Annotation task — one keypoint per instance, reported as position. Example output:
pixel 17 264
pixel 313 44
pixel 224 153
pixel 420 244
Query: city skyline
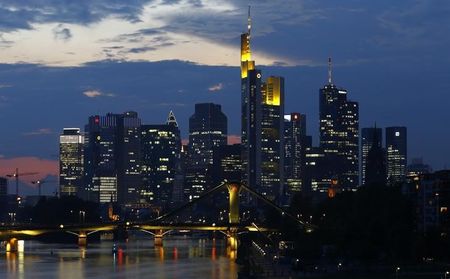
pixel 33 139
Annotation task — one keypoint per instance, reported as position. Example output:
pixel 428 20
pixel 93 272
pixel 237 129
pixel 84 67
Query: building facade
pixel 208 129
pixel 161 147
pixel 368 138
pixel 294 152
pixel 71 161
pixel 339 133
pixel 112 158
pixel 396 153
pixel 272 138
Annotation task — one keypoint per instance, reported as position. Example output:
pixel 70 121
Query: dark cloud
pixel 62 33
pixel 20 14
pixel 141 49
pixel 149 34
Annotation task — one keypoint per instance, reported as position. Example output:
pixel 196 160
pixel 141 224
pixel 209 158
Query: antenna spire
pixel 249 21
pixel 329 71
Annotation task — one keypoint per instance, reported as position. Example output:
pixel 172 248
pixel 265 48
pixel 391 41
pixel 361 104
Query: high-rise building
pixel 295 144
pixel 71 161
pixel 207 130
pixel 272 138
pixel 368 135
pixel 251 114
pixel 262 132
pixel 375 163
pixel 396 153
pixel 339 133
pixel 100 158
pixel 3 187
pixel 227 164
pixel 128 165
pixel 112 158
pixel 161 147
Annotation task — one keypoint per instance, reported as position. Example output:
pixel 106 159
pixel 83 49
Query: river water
pixel 180 257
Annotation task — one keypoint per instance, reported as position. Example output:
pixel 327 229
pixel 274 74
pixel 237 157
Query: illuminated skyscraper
pixel 272 138
pixel 71 161
pixel 367 140
pixel 396 153
pixel 101 154
pixel 339 133
pixel 262 132
pixel 112 158
pixel 251 100
pixel 128 165
pixel 161 147
pixel 207 130
pixel 295 143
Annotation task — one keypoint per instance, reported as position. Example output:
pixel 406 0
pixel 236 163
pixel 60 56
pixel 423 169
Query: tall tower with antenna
pixel 339 134
pixel 251 100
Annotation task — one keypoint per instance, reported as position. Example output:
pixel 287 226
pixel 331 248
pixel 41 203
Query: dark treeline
pixel 375 225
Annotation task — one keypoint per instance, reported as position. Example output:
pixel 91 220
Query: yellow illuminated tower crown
pixel 246 55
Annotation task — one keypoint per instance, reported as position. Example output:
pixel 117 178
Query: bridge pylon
pixel 82 239
pixel 12 245
pixel 233 193
pixel 159 238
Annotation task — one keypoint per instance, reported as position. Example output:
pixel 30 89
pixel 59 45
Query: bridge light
pixel 61 226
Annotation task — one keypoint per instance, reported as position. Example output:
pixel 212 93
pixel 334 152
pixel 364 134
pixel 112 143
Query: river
pixel 180 257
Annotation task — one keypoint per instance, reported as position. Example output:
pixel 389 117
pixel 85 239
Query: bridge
pixel 158 227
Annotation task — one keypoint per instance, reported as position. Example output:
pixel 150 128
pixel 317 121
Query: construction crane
pixel 16 175
pixel 40 182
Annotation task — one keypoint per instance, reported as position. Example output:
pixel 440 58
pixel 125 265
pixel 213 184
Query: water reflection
pixel 180 257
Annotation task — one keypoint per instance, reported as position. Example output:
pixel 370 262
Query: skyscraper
pixel 339 133
pixel 396 153
pixel 367 140
pixel 71 161
pixel 101 158
pixel 294 151
pixel 272 138
pixel 262 132
pixel 251 100
pixel 375 162
pixel 207 130
pixel 112 158
pixel 128 165
pixel 161 147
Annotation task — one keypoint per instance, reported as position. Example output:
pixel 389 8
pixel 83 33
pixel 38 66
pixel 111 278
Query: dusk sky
pixel 63 60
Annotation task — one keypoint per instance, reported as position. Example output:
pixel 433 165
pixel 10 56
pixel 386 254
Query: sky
pixel 62 61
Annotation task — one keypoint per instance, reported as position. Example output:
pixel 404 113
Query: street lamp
pixel 82 216
pixel 396 271
pixel 446 274
pixel 12 216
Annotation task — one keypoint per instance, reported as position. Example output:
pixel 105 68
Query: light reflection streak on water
pixel 178 258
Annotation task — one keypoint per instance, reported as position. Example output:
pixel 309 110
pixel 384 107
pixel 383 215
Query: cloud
pixel 215 87
pixel 5 86
pixel 42 167
pixel 4 43
pixel 96 93
pixel 62 33
pixel 39 132
pixel 141 49
pixel 22 14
